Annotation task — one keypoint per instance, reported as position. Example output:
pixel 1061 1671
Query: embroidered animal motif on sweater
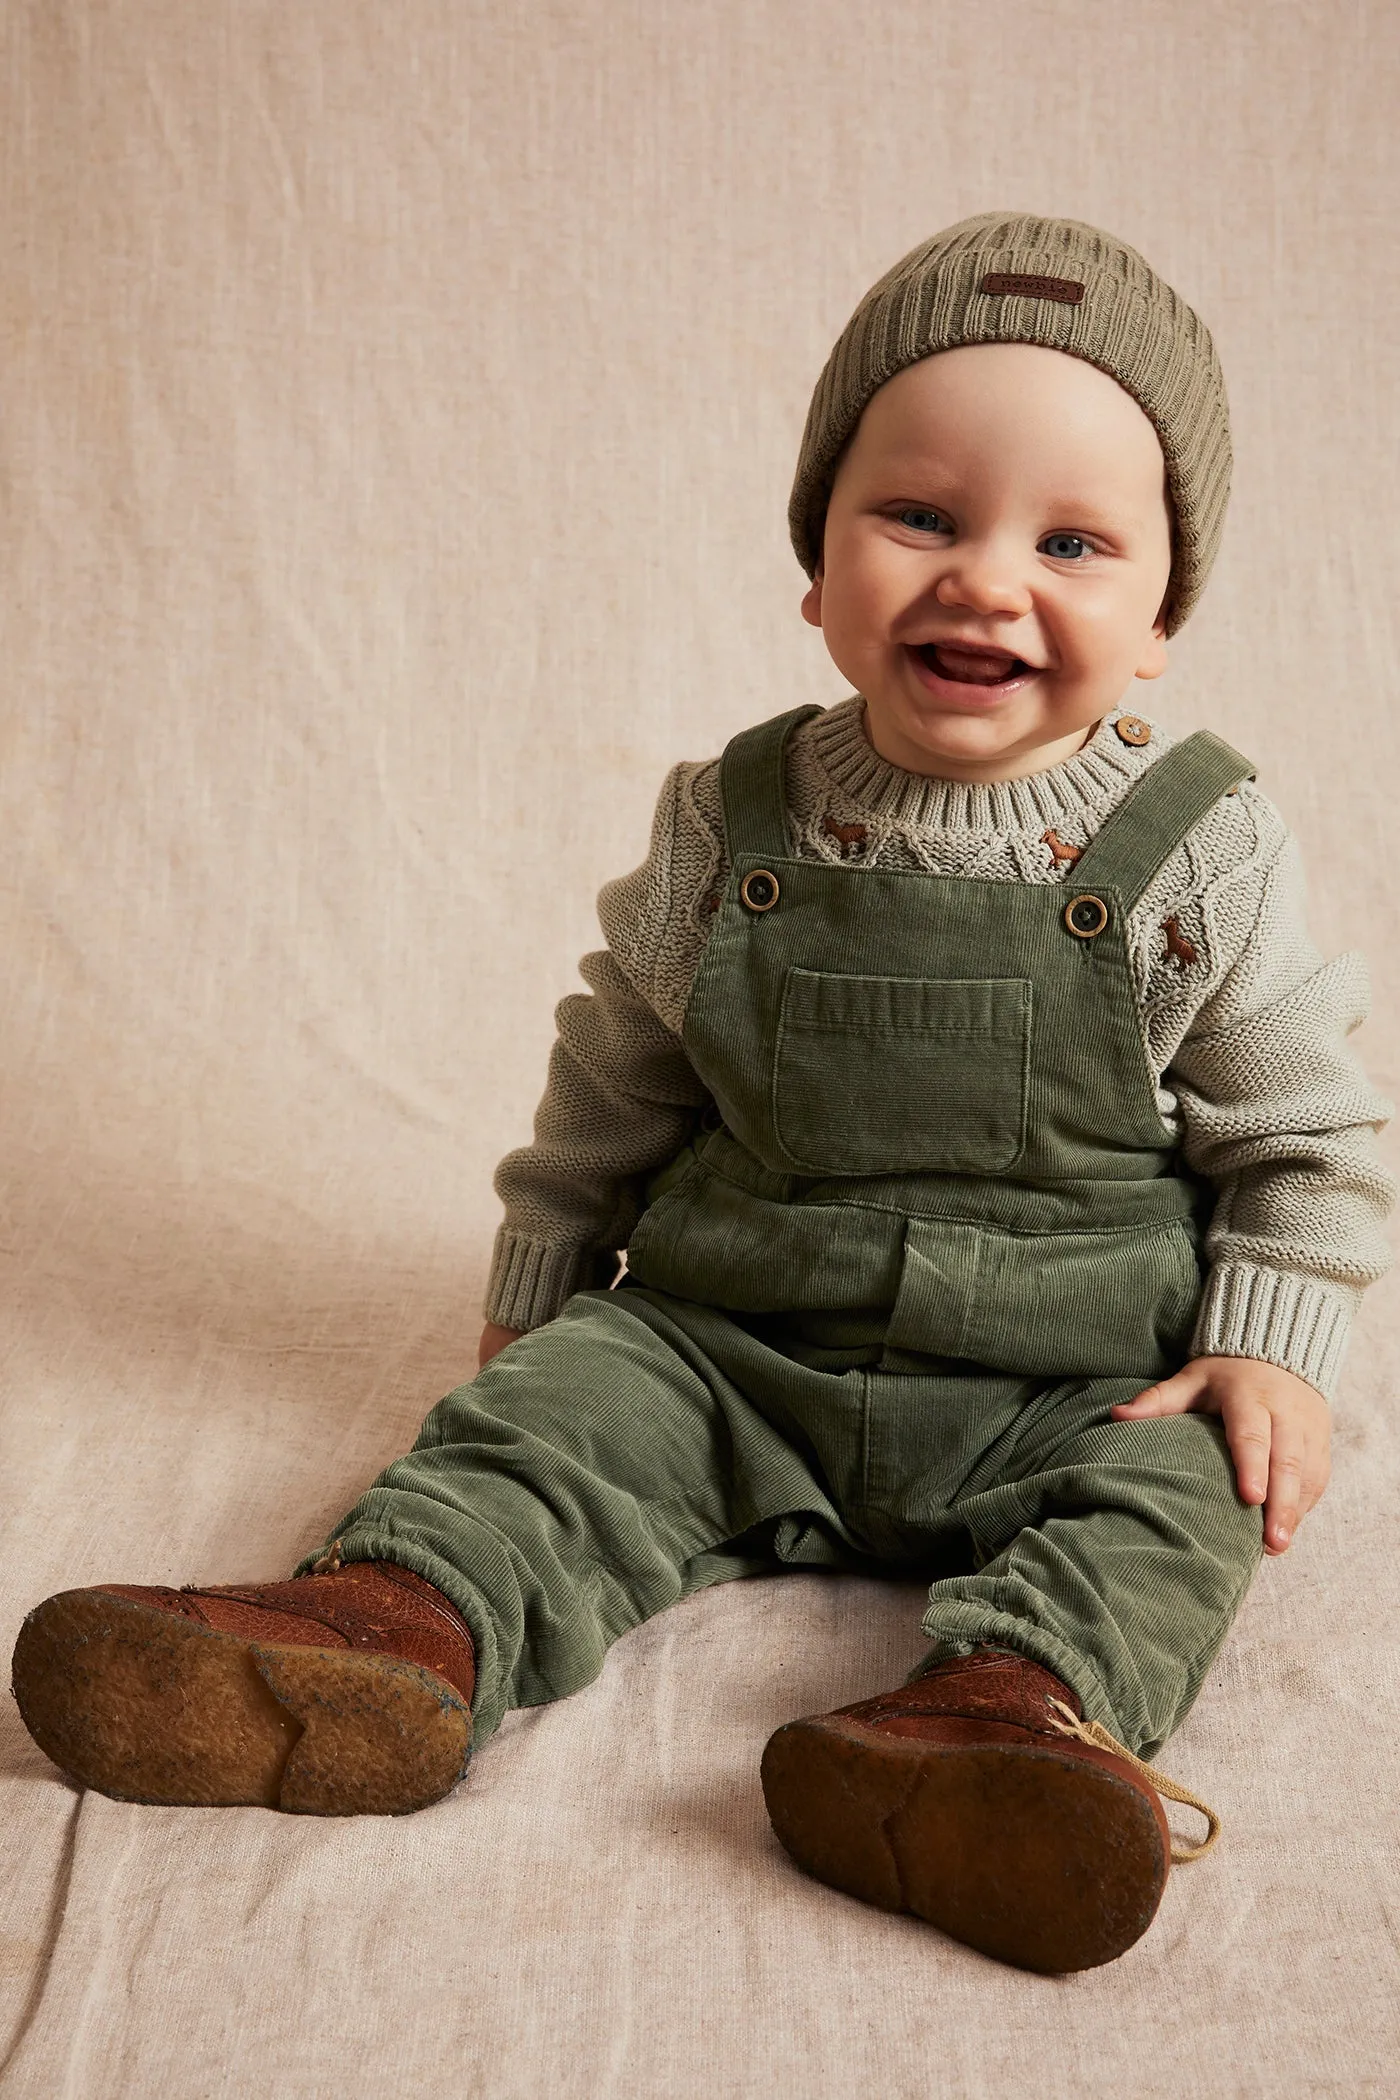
pixel 1061 851
pixel 1181 951
pixel 850 837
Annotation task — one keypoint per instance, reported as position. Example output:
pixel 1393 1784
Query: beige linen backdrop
pixel 399 404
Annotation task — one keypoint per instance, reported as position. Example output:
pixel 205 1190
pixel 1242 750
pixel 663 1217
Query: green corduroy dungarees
pixel 878 1309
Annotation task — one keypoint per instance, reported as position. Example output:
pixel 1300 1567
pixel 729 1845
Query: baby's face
pixel 996 554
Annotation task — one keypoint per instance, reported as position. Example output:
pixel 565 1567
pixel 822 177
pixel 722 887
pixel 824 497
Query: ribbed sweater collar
pixel 1090 783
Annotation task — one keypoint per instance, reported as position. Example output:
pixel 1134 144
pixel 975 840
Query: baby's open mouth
pixel 972 666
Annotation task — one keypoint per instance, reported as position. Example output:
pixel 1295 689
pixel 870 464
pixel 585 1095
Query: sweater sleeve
pixel 622 1096
pixel 1277 1113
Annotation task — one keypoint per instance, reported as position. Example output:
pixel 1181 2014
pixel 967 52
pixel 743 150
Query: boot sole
pixel 147 1707
pixel 1034 1857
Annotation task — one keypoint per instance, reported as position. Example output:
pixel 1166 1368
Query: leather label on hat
pixel 1068 290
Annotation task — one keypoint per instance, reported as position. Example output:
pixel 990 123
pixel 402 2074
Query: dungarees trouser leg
pixel 878 1311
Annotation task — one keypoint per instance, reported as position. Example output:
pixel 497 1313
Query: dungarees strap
pixel 1156 814
pixel 752 786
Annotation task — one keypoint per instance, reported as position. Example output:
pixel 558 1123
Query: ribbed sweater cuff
pixel 1283 1319
pixel 530 1279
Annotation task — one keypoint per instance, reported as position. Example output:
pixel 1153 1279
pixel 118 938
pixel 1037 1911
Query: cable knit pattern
pixel 1243 1028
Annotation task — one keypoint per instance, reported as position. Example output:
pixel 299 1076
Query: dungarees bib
pixel 878 1313
pixel 938 1119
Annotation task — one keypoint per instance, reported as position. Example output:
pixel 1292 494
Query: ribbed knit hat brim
pixel 1095 298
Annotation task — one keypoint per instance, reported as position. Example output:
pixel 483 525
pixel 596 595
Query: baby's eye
pixel 919 520
pixel 1065 546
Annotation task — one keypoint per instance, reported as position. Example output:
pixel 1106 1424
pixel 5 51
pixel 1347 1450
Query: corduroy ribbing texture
pixel 1124 319
pixel 641 1447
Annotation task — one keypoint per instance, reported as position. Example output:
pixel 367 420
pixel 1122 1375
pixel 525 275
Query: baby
pixel 995 1183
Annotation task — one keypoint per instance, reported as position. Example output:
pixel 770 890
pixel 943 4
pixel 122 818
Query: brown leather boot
pixel 336 1694
pixel 958 1798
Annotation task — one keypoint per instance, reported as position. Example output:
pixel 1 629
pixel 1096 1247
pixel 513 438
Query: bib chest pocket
pixel 900 1075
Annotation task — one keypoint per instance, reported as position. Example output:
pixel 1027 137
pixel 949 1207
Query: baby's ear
pixel 1154 656
pixel 812 601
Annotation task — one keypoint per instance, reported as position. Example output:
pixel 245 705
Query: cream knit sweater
pixel 1243 1028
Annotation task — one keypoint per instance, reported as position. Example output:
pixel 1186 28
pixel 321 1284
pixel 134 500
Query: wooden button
pixel 1133 730
pixel 1086 916
pixel 759 889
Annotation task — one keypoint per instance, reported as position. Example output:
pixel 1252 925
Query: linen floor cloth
pixel 398 412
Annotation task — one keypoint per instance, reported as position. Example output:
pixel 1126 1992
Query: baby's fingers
pixel 1174 1396
pixel 1249 1431
pixel 1285 1488
pixel 1299 1469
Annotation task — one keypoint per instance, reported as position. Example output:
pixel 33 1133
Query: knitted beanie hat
pixel 1006 277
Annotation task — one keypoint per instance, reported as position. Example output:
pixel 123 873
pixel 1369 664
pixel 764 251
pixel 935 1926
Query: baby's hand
pixel 1277 1426
pixel 493 1340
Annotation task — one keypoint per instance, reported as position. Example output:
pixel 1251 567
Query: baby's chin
pixel 1004 733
